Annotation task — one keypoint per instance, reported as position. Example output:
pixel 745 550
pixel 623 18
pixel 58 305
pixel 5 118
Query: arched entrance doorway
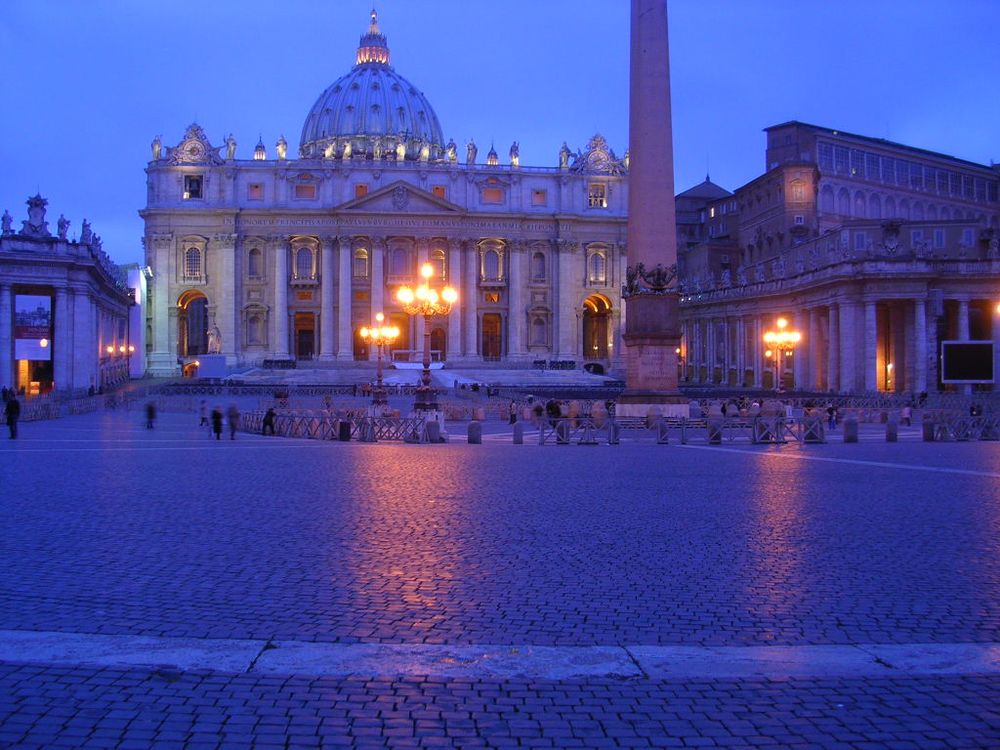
pixel 192 324
pixel 360 346
pixel 492 342
pixel 596 319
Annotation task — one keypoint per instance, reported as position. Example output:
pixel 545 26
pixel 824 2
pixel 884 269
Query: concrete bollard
pixel 662 432
pixel 614 437
pixel 851 429
pixel 518 433
pixel 432 431
pixel 475 433
pixel 928 430
pixel 892 431
pixel 715 430
pixel 562 432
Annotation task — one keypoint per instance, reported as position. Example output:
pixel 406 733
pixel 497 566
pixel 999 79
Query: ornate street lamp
pixel 381 336
pixel 781 342
pixel 427 302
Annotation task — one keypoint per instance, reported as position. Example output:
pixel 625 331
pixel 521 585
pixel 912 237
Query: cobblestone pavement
pixel 111 528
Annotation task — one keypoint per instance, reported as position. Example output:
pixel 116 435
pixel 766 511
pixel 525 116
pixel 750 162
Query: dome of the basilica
pixel 372 111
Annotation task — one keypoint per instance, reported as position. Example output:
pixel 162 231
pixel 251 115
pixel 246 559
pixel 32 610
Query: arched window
pixel 491 265
pixel 437 262
pixel 361 263
pixel 192 262
pixel 890 208
pixel 932 212
pixel 255 329
pixel 945 214
pixel 859 205
pixel 539 332
pixel 538 267
pixel 826 199
pixel 598 273
pixel 844 202
pixel 254 263
pixel 798 191
pixel 303 263
pixel 874 207
pixel 400 262
pixel 918 211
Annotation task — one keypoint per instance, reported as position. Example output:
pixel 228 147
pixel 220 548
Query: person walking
pixel 513 412
pixel 268 425
pixel 203 412
pixel 150 414
pixel 217 422
pixel 12 412
pixel 233 416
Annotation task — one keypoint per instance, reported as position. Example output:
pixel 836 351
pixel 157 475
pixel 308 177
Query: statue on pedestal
pixel 515 154
pixel 86 235
pixel 470 152
pixel 452 150
pixel 230 147
pixel 564 156
pixel 377 148
pixel 282 148
pixel 157 148
pixel 401 148
pixel 63 225
pixel 5 222
pixel 214 340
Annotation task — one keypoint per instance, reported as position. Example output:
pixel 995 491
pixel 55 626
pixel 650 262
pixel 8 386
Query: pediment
pixel 400 197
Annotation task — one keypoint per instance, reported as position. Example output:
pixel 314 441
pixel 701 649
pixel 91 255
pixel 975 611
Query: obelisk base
pixel 651 340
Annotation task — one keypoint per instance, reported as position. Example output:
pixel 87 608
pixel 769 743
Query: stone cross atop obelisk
pixel 652 329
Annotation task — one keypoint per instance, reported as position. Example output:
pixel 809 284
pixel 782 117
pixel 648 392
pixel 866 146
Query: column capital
pixel 455 245
pixel 379 243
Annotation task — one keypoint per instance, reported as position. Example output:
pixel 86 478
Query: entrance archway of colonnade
pixel 192 324
pixel 596 326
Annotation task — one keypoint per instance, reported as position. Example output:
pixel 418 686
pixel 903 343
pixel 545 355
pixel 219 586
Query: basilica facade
pixel 282 257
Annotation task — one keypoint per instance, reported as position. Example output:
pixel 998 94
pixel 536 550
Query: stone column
pixel 345 339
pixel 920 345
pixel 995 335
pixel 871 347
pixel 326 279
pixel 62 343
pixel 566 338
pixel 423 250
pixel 280 345
pixel 378 277
pixel 710 350
pixel 163 359
pixel 6 337
pixel 813 368
pixel 516 316
pixel 758 369
pixel 963 334
pixel 849 338
pixel 833 349
pixel 741 343
pixel 800 358
pixel 226 302
pixel 454 279
pixel 652 330
pixel 471 306
pixel 86 351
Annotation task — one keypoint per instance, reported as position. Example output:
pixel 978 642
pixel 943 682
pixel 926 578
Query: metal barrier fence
pixel 773 430
pixel 962 428
pixel 327 426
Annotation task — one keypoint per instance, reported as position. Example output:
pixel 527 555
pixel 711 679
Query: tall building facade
pixel 874 251
pixel 288 258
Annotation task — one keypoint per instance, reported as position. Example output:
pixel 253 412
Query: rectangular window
pixel 942 182
pixel 902 170
pixel 597 195
pixel 928 178
pixel 967 187
pixel 888 170
pixel 491 297
pixel 539 197
pixel 840 157
pixel 360 190
pixel 916 237
pixel 711 212
pixel 991 192
pixel 492 195
pixel 305 192
pixel 799 219
pixel 857 163
pixel 860 240
pixel 439 191
pixel 255 191
pixel 192 186
pixel 871 166
pixel 955 183
pixel 968 237
pixel 980 190
pixel 825 159
pixel 939 239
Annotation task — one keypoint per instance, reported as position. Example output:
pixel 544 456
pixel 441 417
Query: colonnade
pixel 848 346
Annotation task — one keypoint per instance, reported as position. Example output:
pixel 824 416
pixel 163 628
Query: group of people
pixel 215 419
pixel 11 410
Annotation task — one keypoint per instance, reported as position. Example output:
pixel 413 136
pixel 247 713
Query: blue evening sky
pixel 86 84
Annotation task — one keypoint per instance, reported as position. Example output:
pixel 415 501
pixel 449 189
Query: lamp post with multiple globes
pixel 381 336
pixel 426 302
pixel 780 342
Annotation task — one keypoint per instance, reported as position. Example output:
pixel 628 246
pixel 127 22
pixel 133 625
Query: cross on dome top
pixel 374 47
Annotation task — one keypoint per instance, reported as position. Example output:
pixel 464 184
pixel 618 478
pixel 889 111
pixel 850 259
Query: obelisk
pixel 652 327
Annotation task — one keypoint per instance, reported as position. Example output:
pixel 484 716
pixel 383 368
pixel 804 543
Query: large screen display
pixel 32 327
pixel 966 361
